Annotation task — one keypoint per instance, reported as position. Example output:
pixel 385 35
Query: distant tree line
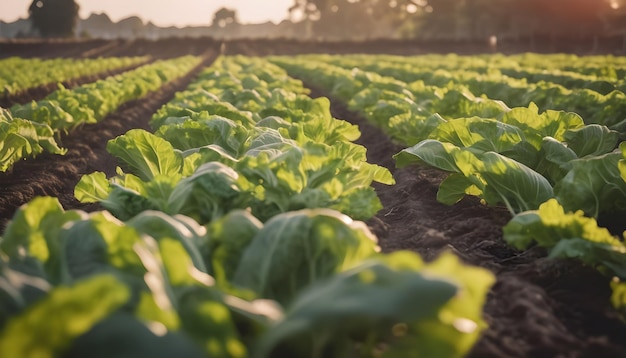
pixel 425 19
pixel 461 19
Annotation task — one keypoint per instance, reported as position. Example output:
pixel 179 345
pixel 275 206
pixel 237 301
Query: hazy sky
pixel 166 12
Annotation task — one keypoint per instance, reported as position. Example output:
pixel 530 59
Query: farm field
pixel 244 172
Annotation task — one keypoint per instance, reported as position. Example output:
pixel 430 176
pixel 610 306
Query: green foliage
pixel 145 154
pixel 618 297
pixel 569 235
pixel 31 128
pixel 593 185
pixel 301 160
pixel 180 228
pixel 228 238
pixel 48 327
pixel 214 290
pixel 374 303
pixel 294 249
pixel 20 139
pixel 591 140
pixel 35 229
pixel 493 177
pixel 146 279
pixel 202 129
pixel 208 194
pixel 557 142
pixel 19 74
pixel 622 162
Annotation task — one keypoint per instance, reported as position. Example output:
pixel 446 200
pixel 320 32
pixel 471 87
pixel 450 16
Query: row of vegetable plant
pixel 301 159
pixel 19 74
pixel 21 138
pixel 568 70
pixel 550 168
pixel 204 276
pixel 599 101
pixel 64 110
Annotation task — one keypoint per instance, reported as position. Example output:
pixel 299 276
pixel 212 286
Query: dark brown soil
pixel 91 48
pixel 170 47
pixel 537 308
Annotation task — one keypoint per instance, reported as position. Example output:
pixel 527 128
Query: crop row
pixel 595 99
pixel 31 128
pixel 19 74
pixel 230 239
pixel 550 168
pixel 568 70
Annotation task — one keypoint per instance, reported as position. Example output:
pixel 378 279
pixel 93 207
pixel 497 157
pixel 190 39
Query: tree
pixel 224 17
pixel 457 19
pixel 54 18
pixel 519 18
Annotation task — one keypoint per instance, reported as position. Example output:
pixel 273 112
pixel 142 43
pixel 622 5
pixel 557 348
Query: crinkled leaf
pixel 145 154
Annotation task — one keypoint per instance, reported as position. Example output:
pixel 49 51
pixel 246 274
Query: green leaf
pixel 514 184
pixel 495 178
pixel 360 204
pixel 296 248
pixel 125 203
pixel 48 328
pixel 554 159
pixel 92 188
pixel 434 153
pixel 133 338
pixel 99 243
pixel 22 283
pixel 593 185
pixel 145 154
pixel 567 234
pixel 618 297
pixel 209 322
pixel 228 238
pixel 591 140
pixel 203 130
pixel 547 124
pixel 35 228
pixel 479 134
pixel 211 192
pixel 622 161
pixel 180 228
pixel 411 129
pixel 374 302
pixel 455 187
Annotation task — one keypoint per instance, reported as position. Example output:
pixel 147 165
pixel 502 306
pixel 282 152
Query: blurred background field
pixel 330 26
